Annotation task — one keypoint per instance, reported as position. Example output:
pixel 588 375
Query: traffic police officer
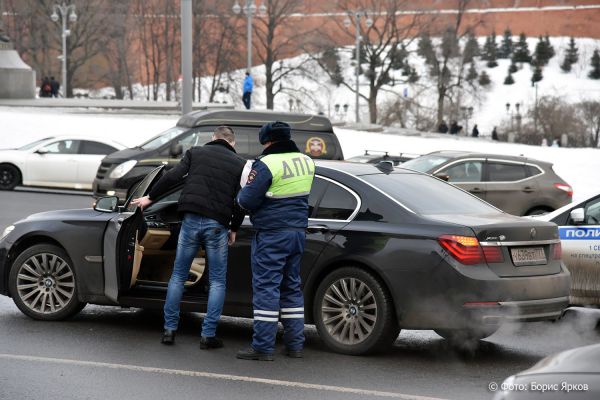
pixel 276 194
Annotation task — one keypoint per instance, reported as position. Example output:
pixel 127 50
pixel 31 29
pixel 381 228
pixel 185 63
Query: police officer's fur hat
pixel 274 132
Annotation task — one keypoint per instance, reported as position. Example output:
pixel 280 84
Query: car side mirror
pixel 578 215
pixel 107 204
pixel 443 177
pixel 42 150
pixel 176 150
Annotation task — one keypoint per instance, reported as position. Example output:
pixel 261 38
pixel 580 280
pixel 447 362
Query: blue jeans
pixel 197 230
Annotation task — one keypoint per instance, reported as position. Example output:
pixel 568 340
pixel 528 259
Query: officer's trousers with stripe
pixel 276 287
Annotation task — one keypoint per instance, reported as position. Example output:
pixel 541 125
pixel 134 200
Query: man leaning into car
pixel 211 219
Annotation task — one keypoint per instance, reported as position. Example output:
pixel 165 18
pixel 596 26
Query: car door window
pixel 316 193
pixel 592 212
pixel 169 198
pixel 97 148
pixel 468 171
pixel 337 203
pixel 197 138
pixel 63 147
pixel 506 172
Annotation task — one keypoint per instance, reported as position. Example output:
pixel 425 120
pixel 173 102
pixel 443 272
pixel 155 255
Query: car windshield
pixel 32 145
pixel 426 195
pixel 425 163
pixel 162 138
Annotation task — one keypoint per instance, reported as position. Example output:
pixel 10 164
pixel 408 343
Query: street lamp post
pixel 347 22
pixel 250 10
pixel 64 9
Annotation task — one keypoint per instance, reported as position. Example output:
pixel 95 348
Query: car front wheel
pixel 42 283
pixel 354 313
pixel 10 177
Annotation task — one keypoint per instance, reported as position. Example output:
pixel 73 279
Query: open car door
pixel 120 241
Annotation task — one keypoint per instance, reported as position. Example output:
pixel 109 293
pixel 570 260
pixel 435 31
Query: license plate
pixel 528 256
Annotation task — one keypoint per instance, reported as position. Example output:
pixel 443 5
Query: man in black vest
pixel 211 219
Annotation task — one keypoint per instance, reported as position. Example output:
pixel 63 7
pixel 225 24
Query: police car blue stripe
pixel 579 233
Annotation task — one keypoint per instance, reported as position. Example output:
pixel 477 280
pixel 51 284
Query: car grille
pixel 102 170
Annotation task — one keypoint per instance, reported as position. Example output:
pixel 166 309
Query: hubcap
pixel 45 283
pixel 349 311
pixel 6 177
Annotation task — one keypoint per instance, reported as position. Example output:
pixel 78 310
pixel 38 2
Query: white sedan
pixel 579 229
pixel 59 162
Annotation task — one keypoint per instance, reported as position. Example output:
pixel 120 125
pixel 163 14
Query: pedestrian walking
pixel 55 86
pixel 45 88
pixel 276 195
pixel 495 134
pixel 443 128
pixel 247 91
pixel 211 219
pixel 475 132
pixel 455 128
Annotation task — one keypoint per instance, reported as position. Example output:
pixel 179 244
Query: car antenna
pixel 385 166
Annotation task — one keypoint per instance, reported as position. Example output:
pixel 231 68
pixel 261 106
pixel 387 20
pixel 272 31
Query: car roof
pixel 454 154
pixel 359 169
pixel 303 122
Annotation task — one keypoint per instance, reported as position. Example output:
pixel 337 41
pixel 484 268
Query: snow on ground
pixel 18 126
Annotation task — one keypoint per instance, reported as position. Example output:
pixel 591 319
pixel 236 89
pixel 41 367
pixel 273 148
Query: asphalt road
pixel 112 353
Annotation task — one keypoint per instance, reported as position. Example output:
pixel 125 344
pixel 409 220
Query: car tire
pixel 43 285
pixel 10 176
pixel 466 335
pixel 354 313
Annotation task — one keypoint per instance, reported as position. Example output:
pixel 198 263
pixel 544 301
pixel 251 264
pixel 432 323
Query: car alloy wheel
pixel 9 177
pixel 349 310
pixel 354 312
pixel 43 284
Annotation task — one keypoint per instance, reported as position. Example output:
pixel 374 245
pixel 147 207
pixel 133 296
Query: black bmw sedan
pixel 386 249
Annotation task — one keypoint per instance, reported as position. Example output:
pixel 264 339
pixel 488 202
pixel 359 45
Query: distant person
pixel 45 88
pixel 443 128
pixel 495 134
pixel 475 132
pixel 54 86
pixel 455 128
pixel 248 86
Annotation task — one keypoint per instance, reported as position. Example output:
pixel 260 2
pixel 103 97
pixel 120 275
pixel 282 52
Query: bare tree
pixel 590 110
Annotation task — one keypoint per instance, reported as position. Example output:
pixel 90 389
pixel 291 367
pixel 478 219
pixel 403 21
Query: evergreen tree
pixel 571 56
pixel 506 46
pixel 330 60
pixel 537 73
pixel 490 51
pixel 542 52
pixel 521 51
pixel 413 76
pixel 512 68
pixel 595 72
pixel 398 57
pixel 509 80
pixel 425 48
pixel 471 49
pixel 471 73
pixel 363 53
pixel 484 79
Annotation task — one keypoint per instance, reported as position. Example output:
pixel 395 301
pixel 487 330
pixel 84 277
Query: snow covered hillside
pixel 579 167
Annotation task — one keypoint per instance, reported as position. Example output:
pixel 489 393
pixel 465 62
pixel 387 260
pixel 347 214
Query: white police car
pixel 579 229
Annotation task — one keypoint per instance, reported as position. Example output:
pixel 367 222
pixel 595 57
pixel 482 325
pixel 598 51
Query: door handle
pixel 476 190
pixel 528 189
pixel 317 229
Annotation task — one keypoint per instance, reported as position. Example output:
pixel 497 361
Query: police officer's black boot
pixel 251 354
pixel 294 353
pixel 168 337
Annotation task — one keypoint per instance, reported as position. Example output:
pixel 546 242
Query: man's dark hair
pixel 247 73
pixel 224 132
pixel 51 77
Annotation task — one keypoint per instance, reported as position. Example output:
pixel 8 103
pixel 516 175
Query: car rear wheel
pixel 42 283
pixel 466 335
pixel 10 177
pixel 354 313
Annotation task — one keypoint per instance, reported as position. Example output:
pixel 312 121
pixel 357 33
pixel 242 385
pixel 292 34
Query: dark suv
pixel 517 185
pixel 119 172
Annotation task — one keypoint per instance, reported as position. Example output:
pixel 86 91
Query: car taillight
pixel 565 188
pixel 468 251
pixel 556 251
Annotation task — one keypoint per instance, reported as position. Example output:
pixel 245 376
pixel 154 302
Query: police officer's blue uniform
pixel 277 197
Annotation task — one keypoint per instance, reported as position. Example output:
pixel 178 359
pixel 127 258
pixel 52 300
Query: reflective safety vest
pixel 292 173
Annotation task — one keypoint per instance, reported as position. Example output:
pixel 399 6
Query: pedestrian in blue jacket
pixel 248 86
pixel 276 194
